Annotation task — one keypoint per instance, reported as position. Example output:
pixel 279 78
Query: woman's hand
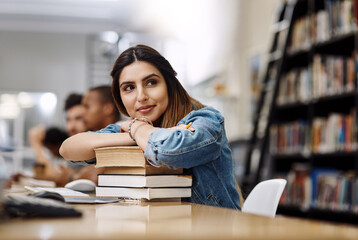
pixel 125 125
pixel 183 126
pixel 141 130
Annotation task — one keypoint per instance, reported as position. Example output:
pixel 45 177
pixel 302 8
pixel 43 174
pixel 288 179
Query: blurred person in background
pixel 93 111
pixel 100 109
pixel 52 138
pixel 74 114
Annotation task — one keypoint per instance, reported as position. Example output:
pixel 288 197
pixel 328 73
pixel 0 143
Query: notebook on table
pixel 72 196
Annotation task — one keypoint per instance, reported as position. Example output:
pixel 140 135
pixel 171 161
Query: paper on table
pixel 65 192
pixel 27 181
pixel 90 200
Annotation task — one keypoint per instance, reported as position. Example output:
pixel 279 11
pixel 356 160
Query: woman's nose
pixel 142 95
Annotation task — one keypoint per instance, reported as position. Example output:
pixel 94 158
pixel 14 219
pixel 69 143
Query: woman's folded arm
pixel 81 146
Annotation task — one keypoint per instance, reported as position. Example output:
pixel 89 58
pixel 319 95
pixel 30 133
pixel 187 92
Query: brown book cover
pixel 120 156
pixel 147 170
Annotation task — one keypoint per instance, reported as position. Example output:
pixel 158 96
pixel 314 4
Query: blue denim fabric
pixel 204 153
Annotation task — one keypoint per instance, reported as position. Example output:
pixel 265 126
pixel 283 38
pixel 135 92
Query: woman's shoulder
pixel 206 112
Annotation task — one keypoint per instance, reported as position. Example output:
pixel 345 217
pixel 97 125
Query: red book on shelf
pixel 355 10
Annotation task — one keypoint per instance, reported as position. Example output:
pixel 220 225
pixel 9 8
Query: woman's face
pixel 143 90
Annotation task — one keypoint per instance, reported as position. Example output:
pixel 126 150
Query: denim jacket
pixel 204 153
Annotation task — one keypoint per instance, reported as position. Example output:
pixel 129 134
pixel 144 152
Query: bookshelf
pixel 257 145
pixel 312 126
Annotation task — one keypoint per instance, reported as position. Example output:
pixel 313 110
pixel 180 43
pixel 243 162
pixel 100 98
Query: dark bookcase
pixel 257 145
pixel 310 132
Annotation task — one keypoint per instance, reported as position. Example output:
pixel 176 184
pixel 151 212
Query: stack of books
pixel 127 174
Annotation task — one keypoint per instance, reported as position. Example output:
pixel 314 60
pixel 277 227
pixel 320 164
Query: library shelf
pixel 312 125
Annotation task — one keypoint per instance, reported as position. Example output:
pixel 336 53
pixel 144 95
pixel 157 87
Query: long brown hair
pixel 180 103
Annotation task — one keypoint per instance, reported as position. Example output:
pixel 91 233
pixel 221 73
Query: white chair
pixel 263 199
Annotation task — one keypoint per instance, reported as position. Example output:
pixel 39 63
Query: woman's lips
pixel 145 109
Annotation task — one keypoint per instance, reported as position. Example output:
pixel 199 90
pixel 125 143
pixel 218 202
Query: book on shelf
pixel 298 190
pixel 290 138
pixel 334 18
pixel 321 188
pixel 319 178
pixel 146 193
pixel 335 133
pixel 147 170
pixel 120 156
pixel 144 181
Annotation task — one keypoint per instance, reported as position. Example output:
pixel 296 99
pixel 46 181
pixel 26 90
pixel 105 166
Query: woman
pixel 146 89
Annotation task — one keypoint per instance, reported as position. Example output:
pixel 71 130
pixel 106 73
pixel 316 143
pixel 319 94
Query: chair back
pixel 264 198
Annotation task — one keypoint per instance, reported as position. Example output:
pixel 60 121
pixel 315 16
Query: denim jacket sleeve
pixel 111 128
pixel 181 148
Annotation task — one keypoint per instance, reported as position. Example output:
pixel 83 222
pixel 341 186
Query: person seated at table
pixel 74 114
pixel 75 123
pixel 100 110
pixel 40 139
pixel 146 89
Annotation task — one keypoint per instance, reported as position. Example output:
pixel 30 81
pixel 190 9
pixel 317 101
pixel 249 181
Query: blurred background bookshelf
pixel 311 125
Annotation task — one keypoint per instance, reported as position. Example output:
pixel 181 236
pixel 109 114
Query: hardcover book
pixel 144 181
pixel 147 193
pixel 147 170
pixel 120 156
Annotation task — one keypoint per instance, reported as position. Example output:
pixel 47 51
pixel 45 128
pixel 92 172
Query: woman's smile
pixel 146 109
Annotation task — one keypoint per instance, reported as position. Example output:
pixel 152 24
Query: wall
pixel 250 35
pixel 43 62
pixel 254 36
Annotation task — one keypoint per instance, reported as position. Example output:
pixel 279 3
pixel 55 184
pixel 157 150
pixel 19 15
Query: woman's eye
pixel 151 82
pixel 128 88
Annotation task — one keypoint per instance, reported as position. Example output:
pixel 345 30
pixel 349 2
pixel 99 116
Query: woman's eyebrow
pixel 123 83
pixel 145 78
pixel 150 75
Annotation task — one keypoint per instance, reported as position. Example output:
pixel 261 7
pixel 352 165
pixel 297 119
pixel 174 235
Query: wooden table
pixel 165 220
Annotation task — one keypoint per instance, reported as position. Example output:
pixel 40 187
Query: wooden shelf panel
pixel 318 214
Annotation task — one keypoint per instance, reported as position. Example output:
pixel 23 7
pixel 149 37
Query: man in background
pixel 74 114
pixel 100 109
